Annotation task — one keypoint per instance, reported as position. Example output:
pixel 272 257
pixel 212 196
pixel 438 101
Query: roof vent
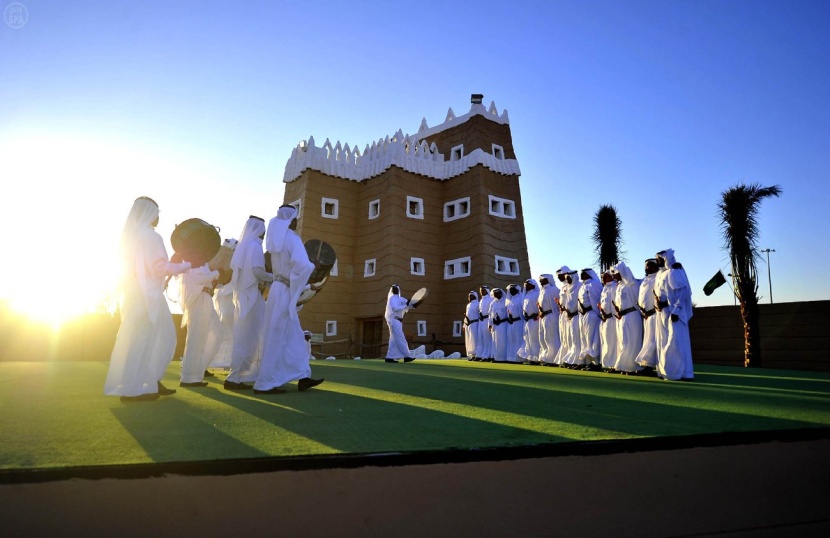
pixel 476 98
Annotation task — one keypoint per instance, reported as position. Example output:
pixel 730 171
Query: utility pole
pixel 769 272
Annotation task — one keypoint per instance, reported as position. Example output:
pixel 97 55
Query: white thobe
pixel 500 328
pixel 223 304
pixel 146 339
pixel 677 356
pixel 484 348
pixel 648 353
pixel 284 347
pixel 549 341
pixel 204 330
pixel 629 325
pixel 608 328
pixel 515 327
pixel 530 314
pixel 590 346
pixel 571 334
pixel 396 307
pixel 470 325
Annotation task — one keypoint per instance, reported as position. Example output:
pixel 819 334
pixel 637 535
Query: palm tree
pixel 738 211
pixel 607 237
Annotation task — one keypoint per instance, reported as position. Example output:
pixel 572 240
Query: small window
pixel 422 327
pixel 501 207
pixel 416 266
pixel 330 208
pixel 498 152
pixel 456 328
pixel 369 267
pixel 374 209
pixel 298 205
pixel 457 268
pixel 414 207
pixel 331 328
pixel 457 209
pixel 507 266
pixel 457 153
pixel 333 271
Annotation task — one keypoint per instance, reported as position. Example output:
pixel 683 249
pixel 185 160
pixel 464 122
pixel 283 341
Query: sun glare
pixel 63 217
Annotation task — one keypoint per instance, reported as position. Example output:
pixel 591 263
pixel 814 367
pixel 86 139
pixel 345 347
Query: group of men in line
pixel 267 345
pixel 614 322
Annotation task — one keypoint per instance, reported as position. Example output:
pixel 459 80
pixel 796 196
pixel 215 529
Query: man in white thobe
pixel 470 325
pixel 647 358
pixel 675 361
pixel 284 348
pixel 608 322
pixel 661 303
pixel 548 320
pixel 248 266
pixel 146 339
pixel 484 348
pixel 529 351
pixel 515 324
pixel 204 330
pixel 570 310
pixel 223 304
pixel 499 326
pixel 590 346
pixel 396 308
pixel 629 321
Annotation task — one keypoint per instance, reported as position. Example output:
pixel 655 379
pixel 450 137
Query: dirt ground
pixel 762 489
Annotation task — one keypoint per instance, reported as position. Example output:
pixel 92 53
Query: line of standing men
pixel 616 323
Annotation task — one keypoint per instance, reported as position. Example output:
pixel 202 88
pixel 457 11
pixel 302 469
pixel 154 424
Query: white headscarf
pixel 138 230
pixel 247 251
pixel 278 227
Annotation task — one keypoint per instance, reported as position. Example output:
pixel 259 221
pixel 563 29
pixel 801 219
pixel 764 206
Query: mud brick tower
pixel 439 209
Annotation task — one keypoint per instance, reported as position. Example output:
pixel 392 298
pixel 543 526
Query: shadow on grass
pixel 173 430
pixel 352 423
pixel 630 406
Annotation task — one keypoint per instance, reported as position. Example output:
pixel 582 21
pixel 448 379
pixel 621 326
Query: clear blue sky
pixel 653 106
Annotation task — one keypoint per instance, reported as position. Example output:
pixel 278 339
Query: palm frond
pixel 607 236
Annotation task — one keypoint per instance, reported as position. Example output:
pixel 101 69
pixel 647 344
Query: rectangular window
pixel 369 267
pixel 414 207
pixel 456 328
pixel 422 327
pixel 457 152
pixel 374 209
pixel 501 207
pixel 330 208
pixel 298 205
pixel 457 209
pixel 457 268
pixel 331 328
pixel 416 266
pixel 507 266
pixel 498 152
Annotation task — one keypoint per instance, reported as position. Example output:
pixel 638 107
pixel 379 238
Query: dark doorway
pixel 372 337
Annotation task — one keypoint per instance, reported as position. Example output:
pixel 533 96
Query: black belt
pixel 469 322
pixel 582 308
pixel 647 313
pixel 498 321
pixel 661 305
pixel 571 314
pixel 531 316
pixel 399 319
pixel 627 311
pixel 545 313
pixel 482 317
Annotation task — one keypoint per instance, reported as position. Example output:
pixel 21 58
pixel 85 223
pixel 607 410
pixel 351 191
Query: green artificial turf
pixel 54 414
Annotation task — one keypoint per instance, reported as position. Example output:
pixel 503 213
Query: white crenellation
pixel 409 152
